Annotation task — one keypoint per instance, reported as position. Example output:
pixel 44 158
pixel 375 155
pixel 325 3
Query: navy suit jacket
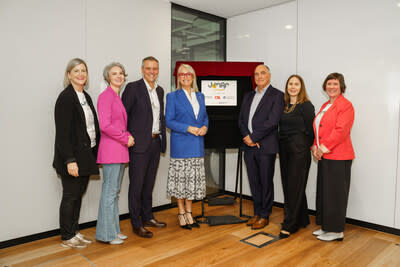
pixel 137 103
pixel 179 116
pixel 265 120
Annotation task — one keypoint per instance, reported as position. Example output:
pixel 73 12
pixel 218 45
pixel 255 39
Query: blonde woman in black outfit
pixel 75 149
pixel 295 139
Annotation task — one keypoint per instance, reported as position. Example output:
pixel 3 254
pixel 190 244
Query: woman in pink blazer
pixel 113 153
pixel 334 151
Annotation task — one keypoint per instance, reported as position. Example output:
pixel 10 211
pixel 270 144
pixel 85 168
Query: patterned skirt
pixel 186 178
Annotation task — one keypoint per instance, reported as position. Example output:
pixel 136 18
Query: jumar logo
pixel 216 85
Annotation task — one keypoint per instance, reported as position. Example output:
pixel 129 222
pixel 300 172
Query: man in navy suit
pixel 258 122
pixel 144 104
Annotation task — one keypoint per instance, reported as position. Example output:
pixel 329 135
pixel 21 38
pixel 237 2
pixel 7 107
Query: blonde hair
pixel 191 70
pixel 72 64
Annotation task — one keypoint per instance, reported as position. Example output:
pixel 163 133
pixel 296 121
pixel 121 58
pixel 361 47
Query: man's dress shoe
pixel 253 220
pixel 261 223
pixel 154 223
pixel 143 232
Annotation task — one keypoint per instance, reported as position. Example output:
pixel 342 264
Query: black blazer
pixel 137 103
pixel 265 120
pixel 72 142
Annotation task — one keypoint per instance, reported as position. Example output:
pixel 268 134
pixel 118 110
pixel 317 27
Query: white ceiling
pixel 228 8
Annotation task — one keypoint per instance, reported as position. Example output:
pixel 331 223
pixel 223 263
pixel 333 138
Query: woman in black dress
pixel 295 139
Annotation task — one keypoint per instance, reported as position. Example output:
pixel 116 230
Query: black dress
pixel 296 136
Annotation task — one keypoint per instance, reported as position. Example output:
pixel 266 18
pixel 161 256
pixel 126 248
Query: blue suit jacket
pixel 179 116
pixel 265 120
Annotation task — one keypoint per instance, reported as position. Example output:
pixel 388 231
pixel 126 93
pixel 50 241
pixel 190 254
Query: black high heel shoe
pixel 194 224
pixel 186 225
pixel 284 234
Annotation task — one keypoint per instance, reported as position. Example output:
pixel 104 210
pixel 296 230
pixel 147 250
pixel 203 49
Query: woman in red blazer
pixel 334 151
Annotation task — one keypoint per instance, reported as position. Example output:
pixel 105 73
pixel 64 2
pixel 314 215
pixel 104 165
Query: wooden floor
pixel 214 246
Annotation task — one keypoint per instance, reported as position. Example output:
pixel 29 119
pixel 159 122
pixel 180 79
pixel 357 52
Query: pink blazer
pixel 113 123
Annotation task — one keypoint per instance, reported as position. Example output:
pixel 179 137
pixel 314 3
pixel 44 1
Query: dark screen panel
pixel 223 130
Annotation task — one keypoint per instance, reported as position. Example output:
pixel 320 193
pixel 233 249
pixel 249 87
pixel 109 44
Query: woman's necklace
pixel 288 110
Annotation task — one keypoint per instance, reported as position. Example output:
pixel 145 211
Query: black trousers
pixel 260 171
pixel 142 175
pixel 333 184
pixel 295 160
pixel 73 190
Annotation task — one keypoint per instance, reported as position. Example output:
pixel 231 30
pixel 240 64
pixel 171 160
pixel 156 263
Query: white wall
pixel 38 39
pixel 359 39
pixel 262 36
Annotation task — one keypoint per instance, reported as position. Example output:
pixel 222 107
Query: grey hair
pixel 269 70
pixel 72 64
pixel 151 58
pixel 106 71
pixel 191 70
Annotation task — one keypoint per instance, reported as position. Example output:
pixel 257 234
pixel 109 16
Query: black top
pixel 300 120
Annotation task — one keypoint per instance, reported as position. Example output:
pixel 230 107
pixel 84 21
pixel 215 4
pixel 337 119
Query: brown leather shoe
pixel 155 223
pixel 143 232
pixel 253 220
pixel 261 223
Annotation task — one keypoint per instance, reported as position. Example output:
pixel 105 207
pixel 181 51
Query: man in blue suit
pixel 144 104
pixel 258 122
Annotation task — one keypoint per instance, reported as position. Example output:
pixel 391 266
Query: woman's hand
pixel 73 169
pixel 202 131
pixel 315 153
pixel 319 153
pixel 193 130
pixel 131 141
pixel 324 149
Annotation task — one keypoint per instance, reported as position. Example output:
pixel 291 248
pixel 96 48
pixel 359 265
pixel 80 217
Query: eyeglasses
pixel 187 74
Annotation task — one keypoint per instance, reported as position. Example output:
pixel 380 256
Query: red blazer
pixel 334 129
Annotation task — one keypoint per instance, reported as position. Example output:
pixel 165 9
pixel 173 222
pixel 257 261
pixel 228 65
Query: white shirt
pixel 155 107
pixel 254 104
pixel 318 121
pixel 90 128
pixel 193 101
